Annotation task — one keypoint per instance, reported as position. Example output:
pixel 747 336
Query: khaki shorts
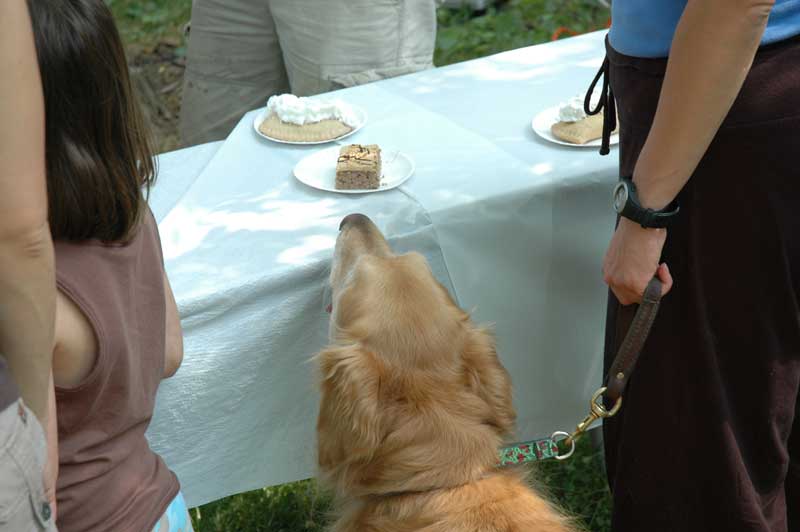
pixel 23 451
pixel 243 51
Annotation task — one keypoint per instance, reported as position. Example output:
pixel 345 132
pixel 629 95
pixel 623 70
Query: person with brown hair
pixel 117 332
pixel 27 283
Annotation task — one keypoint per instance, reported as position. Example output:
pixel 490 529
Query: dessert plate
pixel 542 122
pixel 318 170
pixel 358 111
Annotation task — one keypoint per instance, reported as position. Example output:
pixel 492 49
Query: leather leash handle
pixel 621 368
pixel 628 354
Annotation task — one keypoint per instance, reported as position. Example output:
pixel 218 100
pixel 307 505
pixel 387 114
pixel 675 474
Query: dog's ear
pixel 348 427
pixel 489 380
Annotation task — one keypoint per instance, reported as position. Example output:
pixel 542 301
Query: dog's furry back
pixel 415 405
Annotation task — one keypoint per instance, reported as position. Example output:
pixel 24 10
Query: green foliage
pixel 461 36
pixel 513 25
pixel 150 21
pixel 296 507
pixel 578 485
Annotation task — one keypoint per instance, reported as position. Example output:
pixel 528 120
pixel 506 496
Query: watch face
pixel 620 197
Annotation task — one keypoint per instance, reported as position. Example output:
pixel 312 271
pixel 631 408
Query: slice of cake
pixel 320 131
pixel 574 126
pixel 294 119
pixel 581 131
pixel 358 167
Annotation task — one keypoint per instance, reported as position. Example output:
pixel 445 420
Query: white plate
pixel 318 170
pixel 360 113
pixel 544 120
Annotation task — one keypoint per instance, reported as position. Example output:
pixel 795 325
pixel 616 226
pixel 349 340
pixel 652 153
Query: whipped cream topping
pixel 572 110
pixel 300 111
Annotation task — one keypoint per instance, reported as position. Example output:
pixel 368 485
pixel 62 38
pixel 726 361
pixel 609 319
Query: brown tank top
pixel 109 479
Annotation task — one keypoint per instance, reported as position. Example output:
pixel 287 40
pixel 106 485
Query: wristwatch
pixel 626 203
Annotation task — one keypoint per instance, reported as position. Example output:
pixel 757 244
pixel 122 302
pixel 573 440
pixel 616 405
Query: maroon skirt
pixel 707 438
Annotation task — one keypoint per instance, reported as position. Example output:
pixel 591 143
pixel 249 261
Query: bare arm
pixel 711 54
pixel 27 282
pixel 174 354
pixel 51 433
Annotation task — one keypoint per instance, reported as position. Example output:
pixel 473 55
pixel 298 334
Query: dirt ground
pixel 157 77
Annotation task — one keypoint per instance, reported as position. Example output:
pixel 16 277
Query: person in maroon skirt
pixel 708 99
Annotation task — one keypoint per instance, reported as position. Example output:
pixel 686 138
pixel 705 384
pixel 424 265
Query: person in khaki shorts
pixel 23 454
pixel 243 51
pixel 27 281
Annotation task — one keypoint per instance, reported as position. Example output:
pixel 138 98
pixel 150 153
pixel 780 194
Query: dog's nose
pixel 353 219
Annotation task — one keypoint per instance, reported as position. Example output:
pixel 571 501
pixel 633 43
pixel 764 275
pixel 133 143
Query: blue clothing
pixel 644 28
pixel 176 518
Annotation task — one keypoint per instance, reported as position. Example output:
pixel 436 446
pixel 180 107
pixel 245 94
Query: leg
pixel 23 505
pixel 793 477
pixel 234 65
pixel 702 441
pixel 342 43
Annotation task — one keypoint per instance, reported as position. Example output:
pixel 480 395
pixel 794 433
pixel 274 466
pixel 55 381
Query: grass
pixel 151 21
pixel 461 35
pixel 296 507
pixel 577 484
pixel 515 24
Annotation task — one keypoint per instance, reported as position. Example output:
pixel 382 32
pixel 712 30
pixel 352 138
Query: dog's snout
pixel 353 219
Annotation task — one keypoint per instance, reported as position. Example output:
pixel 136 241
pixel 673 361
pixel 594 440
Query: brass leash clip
pixel 623 364
pixel 597 411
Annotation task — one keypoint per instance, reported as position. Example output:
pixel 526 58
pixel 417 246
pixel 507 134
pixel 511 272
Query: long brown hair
pixel 99 152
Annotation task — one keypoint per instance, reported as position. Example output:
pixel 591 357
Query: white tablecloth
pixel 514 226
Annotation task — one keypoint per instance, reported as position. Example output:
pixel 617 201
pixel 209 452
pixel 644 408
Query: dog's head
pixel 413 395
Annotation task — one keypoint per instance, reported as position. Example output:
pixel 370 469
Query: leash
pixel 616 380
pixel 528 451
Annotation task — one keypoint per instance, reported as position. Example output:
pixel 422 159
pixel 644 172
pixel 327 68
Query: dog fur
pixel 415 404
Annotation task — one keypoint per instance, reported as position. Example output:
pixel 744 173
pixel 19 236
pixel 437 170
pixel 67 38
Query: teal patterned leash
pixel 528 451
pixel 621 369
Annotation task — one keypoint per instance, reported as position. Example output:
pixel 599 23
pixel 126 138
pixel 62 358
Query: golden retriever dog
pixel 415 404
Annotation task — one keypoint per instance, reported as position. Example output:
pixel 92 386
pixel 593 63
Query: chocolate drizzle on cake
pixel 358 167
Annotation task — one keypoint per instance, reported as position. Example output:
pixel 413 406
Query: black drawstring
pixel 606 103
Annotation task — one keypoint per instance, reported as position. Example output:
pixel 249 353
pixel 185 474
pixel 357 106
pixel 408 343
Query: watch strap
pixel 647 218
pixel 659 219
